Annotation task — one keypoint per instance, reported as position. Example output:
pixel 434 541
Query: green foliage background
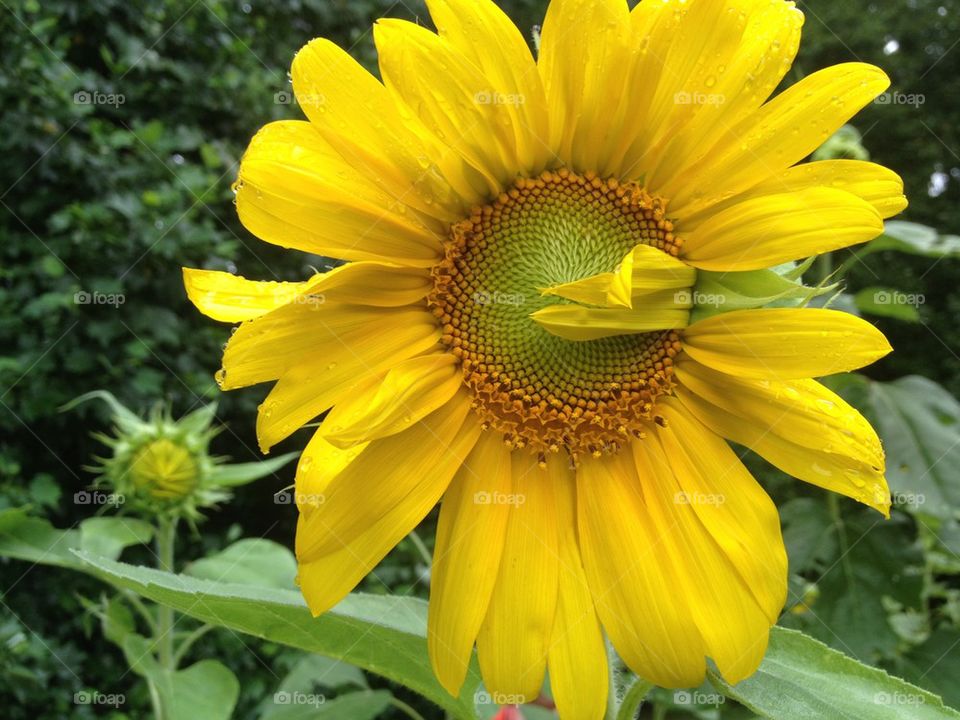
pixel 115 198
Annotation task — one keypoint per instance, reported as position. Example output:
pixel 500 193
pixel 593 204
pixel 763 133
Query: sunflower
pixel 517 333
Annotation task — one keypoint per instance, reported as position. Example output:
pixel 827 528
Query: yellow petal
pixel 470 536
pixel 732 624
pixel 360 119
pixel 308 388
pixel 798 425
pixel 387 481
pixel 732 506
pixel 642 271
pixel 577 657
pixel 668 311
pixel 311 485
pixel 295 190
pixel 880 187
pixel 515 634
pixel 727 57
pixel 457 104
pixel 764 231
pixel 353 524
pixel 633 588
pixel 370 283
pixel 411 390
pixel 784 343
pixel 316 333
pixel 775 137
pixel 583 52
pixel 484 35
pixel 230 298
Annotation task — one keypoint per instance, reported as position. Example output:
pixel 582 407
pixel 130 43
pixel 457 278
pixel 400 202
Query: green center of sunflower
pixel 540 390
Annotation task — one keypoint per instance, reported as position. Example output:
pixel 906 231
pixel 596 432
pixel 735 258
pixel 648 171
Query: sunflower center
pixel 541 391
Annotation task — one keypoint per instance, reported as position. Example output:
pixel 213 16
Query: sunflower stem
pixel 405 709
pixel 633 700
pixel 824 267
pixel 188 642
pixel 613 691
pixel 421 548
pixel 166 532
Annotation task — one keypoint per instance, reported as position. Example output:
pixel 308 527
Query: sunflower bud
pixel 164 470
pixel 163 466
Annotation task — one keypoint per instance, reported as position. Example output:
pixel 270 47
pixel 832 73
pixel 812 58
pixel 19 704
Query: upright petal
pixel 489 40
pixel 295 190
pixel 774 137
pixel 583 55
pixel 360 119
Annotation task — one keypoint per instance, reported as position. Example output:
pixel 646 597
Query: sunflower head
pixel 568 281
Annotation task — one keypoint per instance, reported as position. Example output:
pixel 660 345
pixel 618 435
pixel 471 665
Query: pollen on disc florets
pixel 541 391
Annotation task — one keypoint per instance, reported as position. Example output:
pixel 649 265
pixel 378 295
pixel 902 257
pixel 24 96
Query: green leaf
pixel 874 559
pixel 252 561
pixel 935 664
pixel 108 536
pixel 34 539
pixel 117 620
pixel 915 239
pixel 319 671
pixel 801 678
pixel 888 302
pixel 919 423
pixel 363 705
pixel 242 473
pixel 207 690
pixel 807 533
pixel 385 635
